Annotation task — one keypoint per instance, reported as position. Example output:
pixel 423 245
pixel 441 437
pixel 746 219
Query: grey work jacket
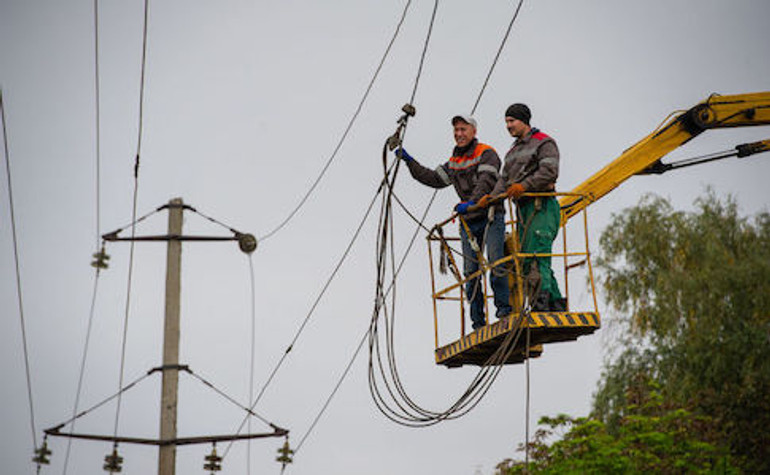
pixel 533 161
pixel 472 170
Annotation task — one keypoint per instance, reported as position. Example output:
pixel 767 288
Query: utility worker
pixel 532 165
pixel 473 171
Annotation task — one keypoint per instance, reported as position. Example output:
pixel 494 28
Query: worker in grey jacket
pixel 532 165
pixel 473 172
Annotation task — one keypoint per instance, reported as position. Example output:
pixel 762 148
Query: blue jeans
pixel 495 244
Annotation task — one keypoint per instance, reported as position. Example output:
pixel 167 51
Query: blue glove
pixel 403 154
pixel 462 208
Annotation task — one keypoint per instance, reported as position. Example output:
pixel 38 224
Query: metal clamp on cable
pixel 394 141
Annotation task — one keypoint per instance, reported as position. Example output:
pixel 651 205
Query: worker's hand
pixel 462 208
pixel 515 191
pixel 403 154
pixel 484 201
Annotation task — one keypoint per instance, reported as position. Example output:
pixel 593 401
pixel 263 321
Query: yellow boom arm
pixel 738 110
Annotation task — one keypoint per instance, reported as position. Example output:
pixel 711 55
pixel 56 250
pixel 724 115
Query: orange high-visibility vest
pixel 464 162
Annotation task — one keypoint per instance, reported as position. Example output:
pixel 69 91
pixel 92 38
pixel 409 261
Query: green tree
pixel 650 437
pixel 687 387
pixel 695 287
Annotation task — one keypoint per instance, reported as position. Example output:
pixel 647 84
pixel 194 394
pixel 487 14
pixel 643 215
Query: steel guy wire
pixel 135 221
pixel 229 398
pixel 104 401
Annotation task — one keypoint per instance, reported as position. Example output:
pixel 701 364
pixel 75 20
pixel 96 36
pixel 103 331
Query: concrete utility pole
pixel 168 440
pixel 170 384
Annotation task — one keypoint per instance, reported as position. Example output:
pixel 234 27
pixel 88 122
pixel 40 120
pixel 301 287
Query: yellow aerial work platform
pixel 505 341
pixel 481 347
pixel 478 347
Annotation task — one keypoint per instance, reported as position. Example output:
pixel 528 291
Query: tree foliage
pixel 650 437
pixel 687 387
pixel 696 289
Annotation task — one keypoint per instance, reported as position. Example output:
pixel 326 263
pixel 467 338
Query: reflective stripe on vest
pixel 464 162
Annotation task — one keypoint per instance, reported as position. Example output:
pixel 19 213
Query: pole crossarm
pixel 278 432
pixel 168 237
pixel 246 241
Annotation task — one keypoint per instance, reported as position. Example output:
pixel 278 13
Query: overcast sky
pixel 244 103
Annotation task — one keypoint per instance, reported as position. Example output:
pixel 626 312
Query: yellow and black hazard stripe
pixel 563 319
pixel 547 327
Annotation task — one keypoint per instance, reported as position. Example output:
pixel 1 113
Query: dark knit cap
pixel 519 111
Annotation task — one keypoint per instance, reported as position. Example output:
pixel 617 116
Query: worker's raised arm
pixel 437 178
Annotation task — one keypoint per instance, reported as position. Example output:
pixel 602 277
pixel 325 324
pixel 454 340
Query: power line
pixel 311 311
pixel 83 360
pixel 364 338
pixel 97 105
pixel 384 183
pixel 387 213
pixel 133 216
pixel 142 80
pixel 497 56
pixel 27 371
pixel 333 393
pixel 424 51
pixel 404 410
pixel 252 359
pixel 97 120
pixel 347 129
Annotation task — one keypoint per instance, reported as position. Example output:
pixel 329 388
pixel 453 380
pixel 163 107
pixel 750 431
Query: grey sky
pixel 244 103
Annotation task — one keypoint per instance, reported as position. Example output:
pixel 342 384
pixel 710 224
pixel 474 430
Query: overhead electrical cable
pixel 304 323
pixel 424 53
pixel 133 216
pixel 476 388
pixel 311 311
pixel 253 353
pixel 398 406
pixel 360 345
pixel 97 123
pixel 386 199
pixel 333 393
pixel 527 408
pixel 83 360
pixel 97 273
pixel 347 129
pixel 497 56
pixel 20 300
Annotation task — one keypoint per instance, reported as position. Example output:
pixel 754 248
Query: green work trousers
pixel 537 228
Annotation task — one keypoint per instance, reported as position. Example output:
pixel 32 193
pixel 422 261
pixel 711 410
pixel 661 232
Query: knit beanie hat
pixel 519 111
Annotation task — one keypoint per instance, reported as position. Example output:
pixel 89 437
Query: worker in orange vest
pixel 473 172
